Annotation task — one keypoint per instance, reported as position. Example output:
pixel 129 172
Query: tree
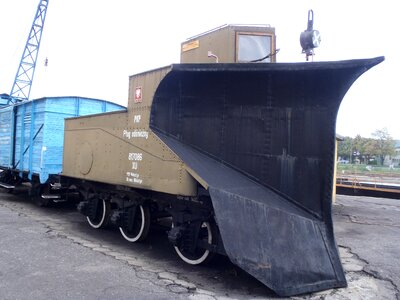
pixel 383 145
pixel 345 148
pixel 363 149
pixel 370 149
pixel 351 148
pixel 358 147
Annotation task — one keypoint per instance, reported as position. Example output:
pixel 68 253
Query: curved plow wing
pixel 261 138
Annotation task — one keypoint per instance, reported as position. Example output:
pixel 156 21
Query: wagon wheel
pixel 98 211
pixel 137 226
pixel 207 234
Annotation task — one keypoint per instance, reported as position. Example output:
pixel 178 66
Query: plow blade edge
pixel 261 139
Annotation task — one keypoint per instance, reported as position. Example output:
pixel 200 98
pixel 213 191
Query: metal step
pixel 7 186
pixel 51 197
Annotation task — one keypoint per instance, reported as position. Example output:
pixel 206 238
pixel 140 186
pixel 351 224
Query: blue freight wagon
pixel 32 136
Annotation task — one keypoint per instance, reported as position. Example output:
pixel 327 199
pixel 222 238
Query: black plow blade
pixel 262 139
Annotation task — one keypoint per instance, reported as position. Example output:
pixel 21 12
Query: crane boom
pixel 23 79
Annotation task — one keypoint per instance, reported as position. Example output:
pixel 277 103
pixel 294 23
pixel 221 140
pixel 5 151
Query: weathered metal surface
pixel 230 44
pixel 261 137
pixel 122 149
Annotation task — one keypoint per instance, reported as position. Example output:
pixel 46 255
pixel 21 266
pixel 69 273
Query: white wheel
pixel 100 217
pixel 201 255
pixel 140 227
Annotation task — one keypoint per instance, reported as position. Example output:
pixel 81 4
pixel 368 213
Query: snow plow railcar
pixel 240 155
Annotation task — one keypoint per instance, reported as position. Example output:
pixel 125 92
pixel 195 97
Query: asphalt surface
pixel 369 229
pixel 52 253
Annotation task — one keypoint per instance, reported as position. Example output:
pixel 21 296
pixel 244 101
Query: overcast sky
pixel 93 46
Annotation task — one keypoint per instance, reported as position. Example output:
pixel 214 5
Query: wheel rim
pixel 99 220
pixel 141 226
pixel 202 254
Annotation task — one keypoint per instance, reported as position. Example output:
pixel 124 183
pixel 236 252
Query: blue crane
pixel 23 79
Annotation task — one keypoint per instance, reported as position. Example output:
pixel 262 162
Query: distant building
pixel 396 157
pixel 393 161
